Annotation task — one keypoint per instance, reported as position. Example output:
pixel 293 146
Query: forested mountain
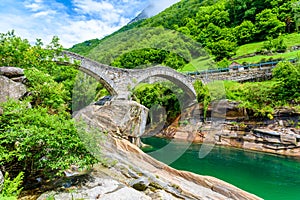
pixel 39 127
pixel 220 26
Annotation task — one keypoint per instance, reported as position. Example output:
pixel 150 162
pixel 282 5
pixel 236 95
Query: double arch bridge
pixel 120 82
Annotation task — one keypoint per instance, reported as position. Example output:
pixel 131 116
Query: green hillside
pixel 224 29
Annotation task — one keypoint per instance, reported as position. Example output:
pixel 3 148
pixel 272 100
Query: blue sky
pixel 73 21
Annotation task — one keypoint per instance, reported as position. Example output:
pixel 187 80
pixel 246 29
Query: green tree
pixel 287 75
pixel 268 25
pixel 148 57
pixel 160 95
pixel 223 49
pixel 203 95
pixel 245 32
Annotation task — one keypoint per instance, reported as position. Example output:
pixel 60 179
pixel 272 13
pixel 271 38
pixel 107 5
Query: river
pixel 265 175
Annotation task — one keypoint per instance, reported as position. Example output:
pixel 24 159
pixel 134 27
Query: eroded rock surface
pixel 124 119
pixel 128 173
pixel 10 89
pixel 11 86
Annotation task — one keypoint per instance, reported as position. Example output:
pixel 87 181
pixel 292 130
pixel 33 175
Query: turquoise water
pixel 268 176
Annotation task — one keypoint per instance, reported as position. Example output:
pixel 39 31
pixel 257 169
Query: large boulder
pixel 125 119
pixel 10 89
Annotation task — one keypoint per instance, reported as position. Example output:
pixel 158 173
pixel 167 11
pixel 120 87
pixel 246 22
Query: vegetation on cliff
pixel 38 137
pixel 262 98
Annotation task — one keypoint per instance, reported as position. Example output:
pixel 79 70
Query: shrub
pixel 11 188
pixel 38 143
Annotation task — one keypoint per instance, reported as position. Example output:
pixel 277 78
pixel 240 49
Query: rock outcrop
pixel 123 119
pixel 11 72
pixel 128 173
pixel 132 174
pixel 11 85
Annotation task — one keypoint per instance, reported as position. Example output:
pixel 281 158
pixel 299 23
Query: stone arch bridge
pixel 120 82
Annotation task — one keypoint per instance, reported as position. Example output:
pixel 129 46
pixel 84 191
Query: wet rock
pixel 11 72
pixel 10 89
pixel 140 184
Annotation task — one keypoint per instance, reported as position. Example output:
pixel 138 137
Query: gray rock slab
pixel 11 71
pixel 10 89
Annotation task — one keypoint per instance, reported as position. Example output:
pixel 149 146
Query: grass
pixel 259 58
pixel 198 64
pixel 292 39
pixel 289 39
pixel 203 63
pixel 248 49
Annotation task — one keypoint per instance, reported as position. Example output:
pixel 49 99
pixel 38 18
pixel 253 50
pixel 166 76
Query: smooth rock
pixel 125 119
pixel 161 194
pixel 11 72
pixel 10 89
pixel 125 193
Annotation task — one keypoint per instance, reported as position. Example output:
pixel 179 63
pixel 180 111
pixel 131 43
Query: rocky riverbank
pixel 280 135
pixel 127 172
pixel 132 174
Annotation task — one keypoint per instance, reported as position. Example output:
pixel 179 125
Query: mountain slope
pixel 220 26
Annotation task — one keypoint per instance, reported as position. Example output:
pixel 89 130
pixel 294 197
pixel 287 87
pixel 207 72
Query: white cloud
pixel 73 22
pixel 91 7
pixel 156 6
pixel 33 6
pixel 44 13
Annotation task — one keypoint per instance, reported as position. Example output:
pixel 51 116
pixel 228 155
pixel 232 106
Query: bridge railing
pixel 239 67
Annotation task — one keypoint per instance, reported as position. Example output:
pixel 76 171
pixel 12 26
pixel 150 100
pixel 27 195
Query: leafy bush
pixel 287 75
pixel 277 44
pixel 39 143
pixel 158 95
pixel 11 188
pixel 46 92
pixel 257 97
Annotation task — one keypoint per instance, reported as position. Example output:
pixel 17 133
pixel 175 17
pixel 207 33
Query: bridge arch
pixel 120 82
pixel 182 81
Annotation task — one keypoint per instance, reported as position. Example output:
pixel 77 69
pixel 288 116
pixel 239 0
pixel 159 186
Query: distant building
pixel 235 66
